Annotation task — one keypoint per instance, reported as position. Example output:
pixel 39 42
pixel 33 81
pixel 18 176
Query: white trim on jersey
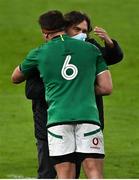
pixel 102 72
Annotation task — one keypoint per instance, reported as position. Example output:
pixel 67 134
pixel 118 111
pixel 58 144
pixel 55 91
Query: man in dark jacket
pixel 77 24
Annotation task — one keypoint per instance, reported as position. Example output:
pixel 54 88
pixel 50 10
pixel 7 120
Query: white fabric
pixel 74 139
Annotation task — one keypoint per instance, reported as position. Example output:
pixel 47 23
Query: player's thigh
pixel 93 168
pixel 61 140
pixel 89 139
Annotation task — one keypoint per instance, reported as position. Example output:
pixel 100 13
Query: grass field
pixel 19 32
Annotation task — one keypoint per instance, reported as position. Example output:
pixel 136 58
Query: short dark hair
pixel 52 20
pixel 76 17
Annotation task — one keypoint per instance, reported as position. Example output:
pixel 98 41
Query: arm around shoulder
pixel 17 76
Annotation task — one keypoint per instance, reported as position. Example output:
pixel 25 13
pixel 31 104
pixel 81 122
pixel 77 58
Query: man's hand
pixel 17 76
pixel 100 32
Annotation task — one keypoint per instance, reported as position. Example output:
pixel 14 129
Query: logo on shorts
pixel 95 141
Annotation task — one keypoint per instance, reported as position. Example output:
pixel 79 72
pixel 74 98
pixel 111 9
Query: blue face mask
pixel 80 36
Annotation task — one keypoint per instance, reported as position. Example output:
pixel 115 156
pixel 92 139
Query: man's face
pixel 76 29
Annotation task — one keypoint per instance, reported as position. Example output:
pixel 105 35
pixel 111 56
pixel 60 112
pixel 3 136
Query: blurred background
pixel 20 32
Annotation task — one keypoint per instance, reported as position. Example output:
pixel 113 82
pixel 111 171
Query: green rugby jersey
pixel 68 68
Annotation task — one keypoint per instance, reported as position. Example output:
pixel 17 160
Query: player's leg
pixel 45 168
pixel 90 148
pixel 65 166
pixel 65 170
pixel 61 148
pixel 93 168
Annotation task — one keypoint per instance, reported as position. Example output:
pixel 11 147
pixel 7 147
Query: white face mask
pixel 80 36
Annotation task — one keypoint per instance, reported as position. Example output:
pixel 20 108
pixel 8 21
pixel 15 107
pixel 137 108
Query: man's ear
pixel 45 36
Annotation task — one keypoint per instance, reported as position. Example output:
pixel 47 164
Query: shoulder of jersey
pixel 92 46
pixel 41 46
pixel 88 44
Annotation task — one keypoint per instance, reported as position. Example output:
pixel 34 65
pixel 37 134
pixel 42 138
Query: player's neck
pixel 57 34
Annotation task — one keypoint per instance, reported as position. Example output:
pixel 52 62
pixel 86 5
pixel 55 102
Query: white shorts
pixel 83 138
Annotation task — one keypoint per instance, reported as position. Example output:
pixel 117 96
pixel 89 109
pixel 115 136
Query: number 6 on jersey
pixel 67 66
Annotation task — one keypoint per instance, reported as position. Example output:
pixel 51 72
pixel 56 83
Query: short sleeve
pixel 100 65
pixel 30 62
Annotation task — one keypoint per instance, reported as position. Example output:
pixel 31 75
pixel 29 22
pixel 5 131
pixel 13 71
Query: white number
pixel 67 66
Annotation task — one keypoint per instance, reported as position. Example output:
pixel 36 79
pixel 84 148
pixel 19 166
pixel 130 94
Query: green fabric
pixel 68 69
pixel 92 132
pixel 55 135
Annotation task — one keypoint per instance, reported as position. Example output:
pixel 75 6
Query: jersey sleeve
pixel 100 64
pixel 30 62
